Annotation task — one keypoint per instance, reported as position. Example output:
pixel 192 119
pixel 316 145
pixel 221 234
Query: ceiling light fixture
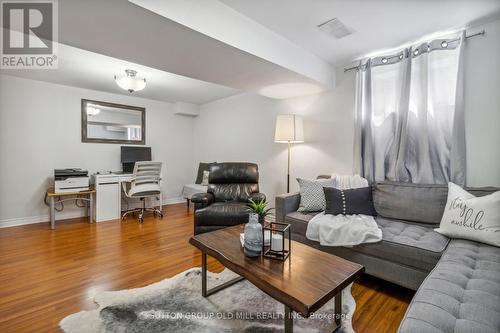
pixel 130 81
pixel 444 44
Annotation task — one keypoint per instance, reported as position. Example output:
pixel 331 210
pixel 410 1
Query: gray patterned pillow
pixel 312 196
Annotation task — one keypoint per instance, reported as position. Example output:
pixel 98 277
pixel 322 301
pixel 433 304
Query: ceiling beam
pixel 120 29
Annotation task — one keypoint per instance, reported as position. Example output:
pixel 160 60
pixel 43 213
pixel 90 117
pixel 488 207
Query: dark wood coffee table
pixel 303 283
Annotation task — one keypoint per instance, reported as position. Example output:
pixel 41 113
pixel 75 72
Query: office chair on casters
pixel 144 184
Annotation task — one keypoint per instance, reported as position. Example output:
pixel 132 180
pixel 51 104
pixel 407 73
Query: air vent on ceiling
pixel 335 28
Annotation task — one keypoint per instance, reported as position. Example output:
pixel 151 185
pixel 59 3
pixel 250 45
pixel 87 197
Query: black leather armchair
pixel 230 185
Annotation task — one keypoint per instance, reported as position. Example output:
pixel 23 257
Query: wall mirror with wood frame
pixel 104 122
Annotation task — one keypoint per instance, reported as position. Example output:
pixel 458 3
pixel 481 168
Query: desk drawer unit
pixel 107 198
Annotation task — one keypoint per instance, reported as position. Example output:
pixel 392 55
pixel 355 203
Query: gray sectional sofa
pixel 460 295
pixel 457 281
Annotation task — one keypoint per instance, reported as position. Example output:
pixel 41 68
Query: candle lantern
pixel 280 239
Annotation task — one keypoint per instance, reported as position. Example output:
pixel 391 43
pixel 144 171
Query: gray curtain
pixel 410 115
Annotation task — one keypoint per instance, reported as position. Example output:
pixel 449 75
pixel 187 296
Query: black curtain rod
pixel 480 33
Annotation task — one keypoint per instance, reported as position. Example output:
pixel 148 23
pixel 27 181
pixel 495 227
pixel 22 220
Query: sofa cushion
pixel 415 202
pixel 405 243
pixel 462 294
pixel 411 202
pixel 415 235
pixel 409 244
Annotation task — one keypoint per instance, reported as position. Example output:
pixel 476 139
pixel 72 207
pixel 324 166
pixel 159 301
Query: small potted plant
pixel 259 208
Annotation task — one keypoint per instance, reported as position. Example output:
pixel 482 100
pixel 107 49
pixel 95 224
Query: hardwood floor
pixel 46 274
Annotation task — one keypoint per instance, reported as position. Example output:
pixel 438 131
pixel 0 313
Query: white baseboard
pixel 23 220
pixel 173 201
pixel 64 215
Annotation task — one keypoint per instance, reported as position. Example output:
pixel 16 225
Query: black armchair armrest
pixel 202 199
pixel 256 197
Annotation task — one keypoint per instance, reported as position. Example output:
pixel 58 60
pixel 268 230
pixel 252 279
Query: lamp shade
pixel 289 128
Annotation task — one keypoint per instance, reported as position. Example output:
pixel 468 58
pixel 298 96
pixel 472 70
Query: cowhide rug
pixel 176 305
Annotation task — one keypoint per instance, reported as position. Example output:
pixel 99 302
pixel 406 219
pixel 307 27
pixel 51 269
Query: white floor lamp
pixel 289 129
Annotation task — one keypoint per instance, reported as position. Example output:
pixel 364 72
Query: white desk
pixel 108 195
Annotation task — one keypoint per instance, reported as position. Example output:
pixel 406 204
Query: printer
pixel 71 180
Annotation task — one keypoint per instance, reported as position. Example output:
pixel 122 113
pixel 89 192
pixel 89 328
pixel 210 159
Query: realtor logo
pixel 29 34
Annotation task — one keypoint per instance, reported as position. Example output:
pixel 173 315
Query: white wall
pixel 241 128
pixel 482 107
pixel 40 130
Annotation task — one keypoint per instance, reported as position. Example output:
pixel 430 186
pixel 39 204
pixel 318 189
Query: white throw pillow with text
pixel 469 217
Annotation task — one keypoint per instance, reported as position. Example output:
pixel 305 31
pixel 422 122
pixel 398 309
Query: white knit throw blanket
pixel 344 230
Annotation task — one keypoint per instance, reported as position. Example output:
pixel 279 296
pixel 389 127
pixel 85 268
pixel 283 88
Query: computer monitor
pixel 132 154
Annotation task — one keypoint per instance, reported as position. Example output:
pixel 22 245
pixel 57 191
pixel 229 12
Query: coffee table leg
pixel 204 274
pixel 288 320
pixel 338 309
pixel 207 292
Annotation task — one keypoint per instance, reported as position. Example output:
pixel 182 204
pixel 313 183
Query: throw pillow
pixel 349 202
pixel 469 217
pixel 204 182
pixel 312 197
